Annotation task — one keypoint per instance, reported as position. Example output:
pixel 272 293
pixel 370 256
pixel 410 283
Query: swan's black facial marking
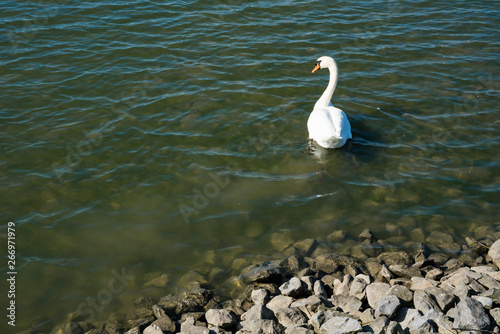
pixel 318 63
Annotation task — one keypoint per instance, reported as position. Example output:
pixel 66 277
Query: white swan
pixel 327 125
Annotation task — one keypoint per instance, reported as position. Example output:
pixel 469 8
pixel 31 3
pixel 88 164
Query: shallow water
pixel 159 138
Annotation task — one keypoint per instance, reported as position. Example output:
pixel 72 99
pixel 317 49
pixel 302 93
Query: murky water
pixel 142 139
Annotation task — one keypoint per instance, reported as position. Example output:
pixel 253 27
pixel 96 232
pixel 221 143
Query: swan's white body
pixel 327 125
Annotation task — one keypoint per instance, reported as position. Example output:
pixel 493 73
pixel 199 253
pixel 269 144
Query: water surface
pixel 163 138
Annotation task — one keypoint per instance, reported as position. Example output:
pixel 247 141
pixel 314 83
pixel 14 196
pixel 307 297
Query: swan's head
pixel 323 62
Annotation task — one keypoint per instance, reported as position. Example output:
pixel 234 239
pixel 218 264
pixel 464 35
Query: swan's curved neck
pixel 325 99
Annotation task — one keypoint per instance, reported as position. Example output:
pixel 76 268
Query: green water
pixel 163 138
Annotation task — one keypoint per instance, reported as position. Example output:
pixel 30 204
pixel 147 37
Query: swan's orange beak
pixel 316 67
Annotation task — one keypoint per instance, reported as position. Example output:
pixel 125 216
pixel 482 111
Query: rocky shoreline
pixel 387 292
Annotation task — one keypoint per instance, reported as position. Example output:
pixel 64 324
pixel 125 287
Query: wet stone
pixel 267 273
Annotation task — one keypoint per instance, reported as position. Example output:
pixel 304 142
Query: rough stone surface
pixel 290 317
pixel 403 293
pixel 358 287
pixel 340 325
pixel 220 318
pixel 470 315
pixel 495 314
pixel 405 316
pixel 261 326
pixel 319 289
pixel 258 312
pixel 387 306
pixel 189 326
pixel 279 302
pixel 420 325
pixel 348 304
pixel 378 326
pixel 298 330
pixel 487 302
pixel 375 291
pixel 259 296
pixel 342 288
pixel 424 302
pixel 494 253
pixel 444 299
pixel 292 288
pixel 420 283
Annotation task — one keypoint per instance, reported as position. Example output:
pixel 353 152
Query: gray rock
pixel 420 283
pixel 375 291
pixel 153 329
pixel 308 304
pixel 434 274
pixel 279 302
pixel 340 325
pixel 387 306
pixel 495 314
pixel 405 271
pixel 394 328
pixel 421 325
pixel 444 299
pixel 292 288
pixel 348 304
pixel 367 316
pixel 358 287
pixel 386 273
pixel 378 326
pixel 259 296
pixel 489 282
pixel 342 288
pixel 319 318
pixel 319 289
pixel 298 330
pixel 405 316
pixel 158 311
pixel 290 317
pixel 308 282
pixel 402 292
pixel 261 326
pixel 189 326
pixel 493 294
pixel 470 315
pixel 258 312
pixel 487 302
pixel 494 253
pixel 221 318
pixel 424 302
